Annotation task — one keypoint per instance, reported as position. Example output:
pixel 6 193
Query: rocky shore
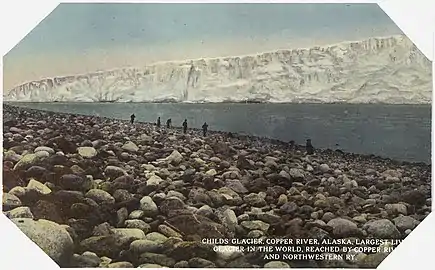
pixel 98 192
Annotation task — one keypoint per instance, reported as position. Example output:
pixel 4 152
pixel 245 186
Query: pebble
pixel 87 152
pixel 382 228
pixel 148 206
pixel 38 187
pixel 156 237
pixel 100 196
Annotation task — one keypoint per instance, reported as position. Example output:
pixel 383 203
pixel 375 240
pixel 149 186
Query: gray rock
pixel 145 245
pixel 10 201
pixel 269 218
pixel 297 174
pixel 174 158
pixel 130 147
pixel 105 261
pixel 114 171
pixel 211 172
pixel 148 206
pixel 53 239
pixel 20 212
pixel 18 191
pixel 156 237
pixel 138 224
pixel 343 227
pixel 230 218
pixel 38 186
pixel 144 138
pixel 162 259
pixel 255 225
pixel 404 223
pixel 120 265
pixel 243 217
pixel 255 200
pixel 289 207
pixel 282 199
pixel 129 233
pixel 328 216
pixel 154 180
pixel 197 262
pixel 173 193
pixel 255 234
pixel 182 264
pixel 11 156
pixel 168 231
pixel 285 175
pixel 236 186
pixel 84 261
pixel 396 208
pixel 42 154
pixel 382 228
pixel 276 264
pixel 324 168
pixel 26 161
pixel 100 196
pixel 75 182
pixel 87 152
pixel 136 214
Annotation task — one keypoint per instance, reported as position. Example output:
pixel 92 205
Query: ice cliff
pixel 376 70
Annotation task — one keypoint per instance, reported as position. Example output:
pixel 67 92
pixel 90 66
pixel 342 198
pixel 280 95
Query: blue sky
pixel 78 38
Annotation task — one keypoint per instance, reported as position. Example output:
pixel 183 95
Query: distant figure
pixel 337 149
pixel 158 122
pixel 185 126
pixel 132 117
pixel 204 129
pixel 309 147
pixel 168 123
pixel 292 144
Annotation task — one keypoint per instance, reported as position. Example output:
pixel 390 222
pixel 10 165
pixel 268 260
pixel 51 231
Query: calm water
pixel 397 131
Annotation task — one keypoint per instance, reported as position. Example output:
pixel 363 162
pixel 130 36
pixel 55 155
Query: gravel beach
pixel 98 192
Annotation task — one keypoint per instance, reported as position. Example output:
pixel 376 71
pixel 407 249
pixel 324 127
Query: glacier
pixel 376 70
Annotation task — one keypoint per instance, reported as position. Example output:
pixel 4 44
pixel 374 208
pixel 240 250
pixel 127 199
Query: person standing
pixel 132 117
pixel 185 126
pixel 168 123
pixel 204 129
pixel 309 147
pixel 158 122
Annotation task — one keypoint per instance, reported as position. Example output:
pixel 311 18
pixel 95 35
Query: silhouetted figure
pixel 185 126
pixel 168 123
pixel 158 122
pixel 337 149
pixel 132 117
pixel 204 129
pixel 309 147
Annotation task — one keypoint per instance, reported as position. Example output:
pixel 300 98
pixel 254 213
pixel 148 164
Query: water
pixel 400 132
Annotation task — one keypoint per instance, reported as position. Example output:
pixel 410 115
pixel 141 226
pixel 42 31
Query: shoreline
pixel 11 103
pixel 101 192
pixel 244 136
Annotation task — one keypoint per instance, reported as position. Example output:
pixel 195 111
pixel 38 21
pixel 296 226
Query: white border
pixel 416 18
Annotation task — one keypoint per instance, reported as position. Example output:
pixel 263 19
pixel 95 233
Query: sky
pixel 81 38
